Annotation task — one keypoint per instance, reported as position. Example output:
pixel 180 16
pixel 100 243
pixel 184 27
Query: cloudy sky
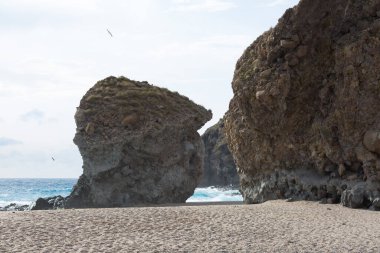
pixel 53 51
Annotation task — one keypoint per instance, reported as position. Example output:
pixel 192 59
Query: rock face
pixel 219 168
pixel 304 122
pixel 139 144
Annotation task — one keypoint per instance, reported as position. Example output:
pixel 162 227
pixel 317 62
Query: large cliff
pixel 304 121
pixel 139 144
pixel 219 167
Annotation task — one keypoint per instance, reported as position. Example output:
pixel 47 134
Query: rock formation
pixel 56 202
pixel 304 122
pixel 139 144
pixel 219 168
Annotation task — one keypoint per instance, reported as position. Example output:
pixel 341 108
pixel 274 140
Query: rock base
pixel 49 203
pixel 309 185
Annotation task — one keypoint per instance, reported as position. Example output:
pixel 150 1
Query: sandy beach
pixel 275 226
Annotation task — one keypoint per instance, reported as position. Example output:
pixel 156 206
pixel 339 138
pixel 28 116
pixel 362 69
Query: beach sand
pixel 275 226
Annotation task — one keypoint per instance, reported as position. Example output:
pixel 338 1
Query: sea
pixel 25 191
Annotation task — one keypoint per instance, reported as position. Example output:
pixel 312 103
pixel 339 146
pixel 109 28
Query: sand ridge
pixel 275 226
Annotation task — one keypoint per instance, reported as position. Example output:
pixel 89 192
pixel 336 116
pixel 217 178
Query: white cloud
pixel 53 5
pixel 8 141
pixel 203 46
pixel 278 2
pixel 33 115
pixel 203 5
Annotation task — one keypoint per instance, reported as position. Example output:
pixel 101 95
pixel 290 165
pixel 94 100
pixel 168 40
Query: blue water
pixel 213 194
pixel 26 191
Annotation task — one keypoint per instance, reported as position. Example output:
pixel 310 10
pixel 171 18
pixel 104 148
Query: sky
pixel 53 51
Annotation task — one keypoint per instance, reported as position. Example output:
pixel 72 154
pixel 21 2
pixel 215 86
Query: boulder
pixel 219 167
pixel 139 145
pixel 316 112
pixel 49 203
pixel 354 197
pixel 371 141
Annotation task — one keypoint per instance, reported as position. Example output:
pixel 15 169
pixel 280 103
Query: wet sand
pixel 275 226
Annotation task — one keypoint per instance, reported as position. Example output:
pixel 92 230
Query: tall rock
pixel 304 121
pixel 139 145
pixel 219 167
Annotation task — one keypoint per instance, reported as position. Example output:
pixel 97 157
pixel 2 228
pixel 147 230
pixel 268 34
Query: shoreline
pixel 186 204
pixel 201 194
pixel 273 226
pixel 204 203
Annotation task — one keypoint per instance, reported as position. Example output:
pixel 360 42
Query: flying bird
pixel 53 159
pixel 109 33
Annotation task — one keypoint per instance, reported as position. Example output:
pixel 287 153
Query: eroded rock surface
pixel 139 144
pixel 56 202
pixel 304 122
pixel 219 167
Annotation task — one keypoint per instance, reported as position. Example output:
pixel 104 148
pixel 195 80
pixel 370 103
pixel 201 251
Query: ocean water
pixel 26 191
pixel 214 194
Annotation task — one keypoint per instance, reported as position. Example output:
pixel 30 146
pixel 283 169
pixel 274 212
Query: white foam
pixel 213 194
pixel 20 203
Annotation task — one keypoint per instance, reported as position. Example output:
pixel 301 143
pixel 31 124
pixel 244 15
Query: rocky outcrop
pixel 139 145
pixel 219 168
pixel 304 121
pixel 15 207
pixel 56 202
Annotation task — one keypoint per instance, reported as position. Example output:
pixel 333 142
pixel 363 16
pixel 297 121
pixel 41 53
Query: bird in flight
pixel 53 159
pixel 109 33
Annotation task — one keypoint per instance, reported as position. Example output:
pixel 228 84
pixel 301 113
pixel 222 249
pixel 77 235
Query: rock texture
pixel 56 202
pixel 304 122
pixel 139 144
pixel 219 167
